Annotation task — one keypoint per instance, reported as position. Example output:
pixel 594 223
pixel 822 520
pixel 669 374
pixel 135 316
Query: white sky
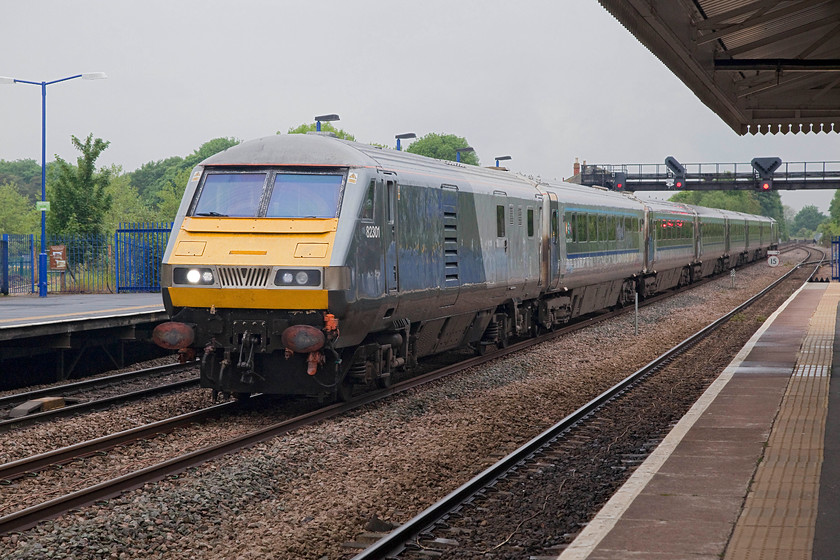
pixel 544 81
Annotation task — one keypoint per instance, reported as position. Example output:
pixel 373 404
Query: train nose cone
pixel 173 335
pixel 303 339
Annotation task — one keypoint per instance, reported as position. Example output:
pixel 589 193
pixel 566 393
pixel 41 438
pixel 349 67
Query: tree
pixel 17 213
pixel 325 127
pixel 78 196
pixel 24 175
pixel 146 180
pixel 442 146
pixel 834 207
pixel 169 197
pixel 127 206
pixel 809 218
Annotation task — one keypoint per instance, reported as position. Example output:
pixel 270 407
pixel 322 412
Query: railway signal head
pixel 765 185
pixel 677 169
pixel 619 180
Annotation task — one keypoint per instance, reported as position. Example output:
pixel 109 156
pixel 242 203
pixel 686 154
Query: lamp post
pixel 324 118
pixel 501 158
pixel 459 150
pixel 403 137
pixel 42 258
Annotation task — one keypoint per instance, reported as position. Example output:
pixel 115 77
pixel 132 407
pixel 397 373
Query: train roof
pixel 319 150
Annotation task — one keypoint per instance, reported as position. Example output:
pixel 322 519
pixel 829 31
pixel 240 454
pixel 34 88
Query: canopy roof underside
pixel 761 65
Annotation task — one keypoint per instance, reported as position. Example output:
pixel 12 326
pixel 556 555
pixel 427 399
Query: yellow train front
pixel 253 267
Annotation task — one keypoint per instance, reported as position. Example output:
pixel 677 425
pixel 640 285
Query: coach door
pixel 390 236
pixel 553 259
pixel 500 248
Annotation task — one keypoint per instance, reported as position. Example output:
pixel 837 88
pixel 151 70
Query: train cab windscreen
pixel 231 194
pixel 289 195
pixel 304 196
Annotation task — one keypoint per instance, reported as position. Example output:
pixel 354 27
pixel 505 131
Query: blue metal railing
pixel 18 271
pixel 139 251
pixel 79 264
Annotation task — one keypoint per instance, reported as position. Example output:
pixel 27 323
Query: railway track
pixel 440 529
pixel 76 396
pixel 31 516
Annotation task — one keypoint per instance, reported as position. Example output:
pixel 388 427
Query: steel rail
pixel 61 390
pixel 33 515
pixel 90 405
pixel 35 463
pixel 396 541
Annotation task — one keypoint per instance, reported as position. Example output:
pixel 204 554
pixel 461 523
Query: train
pixel 304 264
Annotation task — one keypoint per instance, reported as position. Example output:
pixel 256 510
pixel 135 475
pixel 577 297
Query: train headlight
pixel 193 276
pixel 298 277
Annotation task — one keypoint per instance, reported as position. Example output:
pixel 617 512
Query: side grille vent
pixel 244 276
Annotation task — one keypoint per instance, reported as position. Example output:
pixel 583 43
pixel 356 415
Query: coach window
pixel 530 222
pixel 370 201
pixel 500 221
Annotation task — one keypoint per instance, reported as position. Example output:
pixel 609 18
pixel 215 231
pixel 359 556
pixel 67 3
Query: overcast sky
pixel 543 81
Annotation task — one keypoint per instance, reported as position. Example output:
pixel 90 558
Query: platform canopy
pixel 761 65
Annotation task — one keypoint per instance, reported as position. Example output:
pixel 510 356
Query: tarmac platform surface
pixel 24 316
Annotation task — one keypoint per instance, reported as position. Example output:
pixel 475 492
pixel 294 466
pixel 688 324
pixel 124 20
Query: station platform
pixel 30 315
pixel 753 470
pixel 73 333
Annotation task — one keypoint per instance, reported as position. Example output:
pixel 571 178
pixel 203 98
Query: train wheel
pixel 344 390
pixel 384 381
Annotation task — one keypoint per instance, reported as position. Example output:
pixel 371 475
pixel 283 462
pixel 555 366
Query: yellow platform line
pixel 779 515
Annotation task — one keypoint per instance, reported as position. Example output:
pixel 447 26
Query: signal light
pixel 765 185
pixel 619 179
pixel 678 184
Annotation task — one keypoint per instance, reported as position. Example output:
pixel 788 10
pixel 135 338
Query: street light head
pixel 94 76
pixel 6 80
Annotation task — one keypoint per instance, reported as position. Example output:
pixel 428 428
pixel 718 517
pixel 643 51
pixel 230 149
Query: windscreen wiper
pixel 211 213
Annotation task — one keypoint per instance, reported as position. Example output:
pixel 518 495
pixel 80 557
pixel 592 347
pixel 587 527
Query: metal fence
pixel 139 251
pixel 128 262
pixel 79 264
pixel 19 272
pixel 835 258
